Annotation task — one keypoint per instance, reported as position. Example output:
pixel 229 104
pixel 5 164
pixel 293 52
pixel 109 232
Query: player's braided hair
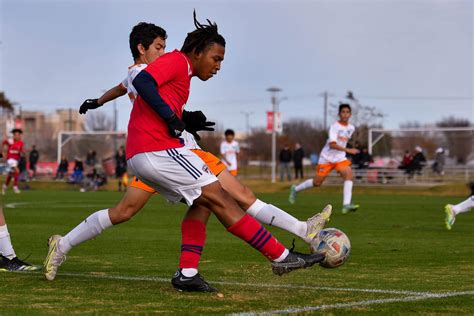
pixel 204 36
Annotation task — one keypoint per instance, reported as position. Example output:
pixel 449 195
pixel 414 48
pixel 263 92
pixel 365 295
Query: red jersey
pixel 147 131
pixel 14 148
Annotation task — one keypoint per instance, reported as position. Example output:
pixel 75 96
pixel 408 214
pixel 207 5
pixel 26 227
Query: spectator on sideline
pixel 440 160
pixel 298 156
pixel 406 161
pixel 33 159
pixel 121 168
pixel 285 159
pixel 418 162
pixel 62 168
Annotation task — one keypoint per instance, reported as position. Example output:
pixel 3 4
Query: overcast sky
pixel 55 54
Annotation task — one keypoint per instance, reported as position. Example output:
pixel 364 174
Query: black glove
pixel 196 121
pixel 175 126
pixel 89 104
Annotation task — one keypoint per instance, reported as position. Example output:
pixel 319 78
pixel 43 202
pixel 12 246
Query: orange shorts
pixel 324 169
pixel 137 183
pixel 233 172
pixel 216 166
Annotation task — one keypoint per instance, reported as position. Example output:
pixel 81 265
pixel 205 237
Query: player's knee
pixel 122 213
pixel 245 197
pixel 317 182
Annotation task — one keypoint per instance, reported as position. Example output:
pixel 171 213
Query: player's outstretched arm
pixel 109 95
pixel 147 88
pixel 352 151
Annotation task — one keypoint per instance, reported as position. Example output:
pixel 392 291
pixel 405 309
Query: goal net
pixel 456 142
pixel 77 145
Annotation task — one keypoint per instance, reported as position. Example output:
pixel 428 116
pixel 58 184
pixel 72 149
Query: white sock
pixel 189 272
pixel 304 185
pixel 88 229
pixel 6 248
pixel 271 215
pixel 283 256
pixel 464 206
pixel 347 192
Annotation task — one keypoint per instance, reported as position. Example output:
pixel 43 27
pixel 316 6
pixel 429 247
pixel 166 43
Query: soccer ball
pixel 335 243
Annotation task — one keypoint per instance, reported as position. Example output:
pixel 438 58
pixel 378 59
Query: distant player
pixel 193 226
pixel 230 152
pixel 12 150
pixel 8 259
pixel 333 156
pixel 453 210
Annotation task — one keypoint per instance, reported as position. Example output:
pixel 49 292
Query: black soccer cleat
pixel 16 264
pixel 191 284
pixel 296 260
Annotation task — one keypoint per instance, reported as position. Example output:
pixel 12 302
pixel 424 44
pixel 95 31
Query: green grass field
pixel 403 260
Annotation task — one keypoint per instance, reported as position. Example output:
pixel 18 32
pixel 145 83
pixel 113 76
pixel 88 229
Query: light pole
pixel 274 91
pixel 247 120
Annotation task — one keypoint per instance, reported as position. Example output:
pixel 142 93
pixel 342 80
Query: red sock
pixel 7 180
pixel 248 229
pixel 15 179
pixel 193 237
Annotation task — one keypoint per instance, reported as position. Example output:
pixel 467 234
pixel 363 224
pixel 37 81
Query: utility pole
pixel 275 101
pixel 325 94
pixel 115 115
pixel 70 119
pixel 247 121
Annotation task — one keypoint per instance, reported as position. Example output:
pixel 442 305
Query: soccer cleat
pixel 316 223
pixel 296 260
pixel 16 190
pixel 16 264
pixel 349 208
pixel 191 284
pixel 4 189
pixel 54 258
pixel 450 216
pixel 292 197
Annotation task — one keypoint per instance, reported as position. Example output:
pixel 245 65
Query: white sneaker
pixel 317 222
pixel 16 190
pixel 54 258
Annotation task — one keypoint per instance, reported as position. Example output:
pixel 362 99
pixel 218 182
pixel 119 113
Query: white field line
pixel 303 309
pixel 259 285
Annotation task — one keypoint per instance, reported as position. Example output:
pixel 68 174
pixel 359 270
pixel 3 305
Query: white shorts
pixel 176 173
pixel 12 163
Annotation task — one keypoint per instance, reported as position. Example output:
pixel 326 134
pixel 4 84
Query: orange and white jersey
pixel 133 71
pixel 339 134
pixel 229 151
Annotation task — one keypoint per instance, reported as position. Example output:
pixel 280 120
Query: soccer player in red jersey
pixel 156 155
pixel 193 226
pixel 12 150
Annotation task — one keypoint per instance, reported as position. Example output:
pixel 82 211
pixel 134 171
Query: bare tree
pixel 98 121
pixel 5 103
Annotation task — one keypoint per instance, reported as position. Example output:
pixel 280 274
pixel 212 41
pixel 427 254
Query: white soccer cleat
pixel 316 223
pixel 16 190
pixel 54 258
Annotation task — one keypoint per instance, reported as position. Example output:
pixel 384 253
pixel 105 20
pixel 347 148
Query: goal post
pixel 76 144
